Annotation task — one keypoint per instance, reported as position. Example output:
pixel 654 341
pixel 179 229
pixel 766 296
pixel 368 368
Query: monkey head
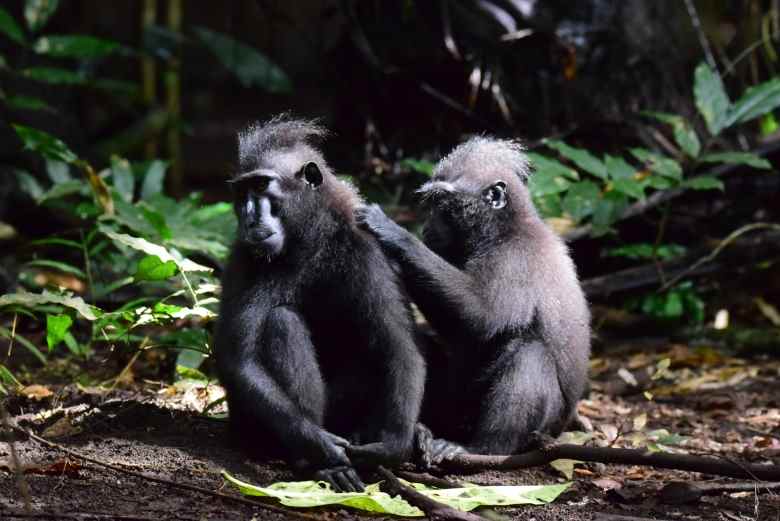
pixel 475 197
pixel 284 188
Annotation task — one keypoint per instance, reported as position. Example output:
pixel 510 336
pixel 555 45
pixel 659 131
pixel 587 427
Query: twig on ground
pixel 687 492
pixel 433 509
pixel 661 460
pixel 427 479
pixel 163 481
pixel 659 197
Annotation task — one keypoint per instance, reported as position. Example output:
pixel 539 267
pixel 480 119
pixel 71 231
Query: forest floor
pixel 721 405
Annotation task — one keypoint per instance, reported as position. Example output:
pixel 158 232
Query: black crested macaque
pixel 499 288
pixel 315 341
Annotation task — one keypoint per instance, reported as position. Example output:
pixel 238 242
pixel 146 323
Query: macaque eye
pixel 311 174
pixel 495 195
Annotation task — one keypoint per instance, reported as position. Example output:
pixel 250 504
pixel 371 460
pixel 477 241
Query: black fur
pixel 500 289
pixel 315 343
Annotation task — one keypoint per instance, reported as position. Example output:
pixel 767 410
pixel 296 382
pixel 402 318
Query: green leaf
pixel 644 251
pixel 618 168
pixel 81 47
pixel 55 76
pixel 152 268
pixel 543 183
pixel 29 184
pixel 418 165
pixel 57 171
pixel 153 179
pixel 549 205
pixel 38 12
pixel 659 164
pixel 581 199
pixel 56 327
pixel 755 102
pixel 66 299
pixel 28 103
pixel 740 158
pixel 711 98
pixel 124 181
pixel 608 210
pixel 769 124
pixel 703 183
pixel 62 190
pixel 552 167
pixel 57 265
pixel 251 67
pixel 10 28
pixel 190 358
pixel 684 134
pixel 57 241
pixel 149 248
pixel 580 157
pixel 307 494
pixel 630 187
pixel 190 373
pixel 45 144
pixel 157 220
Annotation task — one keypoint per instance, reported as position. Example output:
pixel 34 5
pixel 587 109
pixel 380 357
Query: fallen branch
pixel 432 508
pixel 427 479
pixel 687 492
pixel 660 197
pixel 163 481
pixel 661 460
pixel 740 250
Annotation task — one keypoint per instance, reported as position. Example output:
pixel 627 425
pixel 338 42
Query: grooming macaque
pixel 501 291
pixel 315 343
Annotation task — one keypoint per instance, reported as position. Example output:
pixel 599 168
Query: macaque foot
pixel 430 451
pixel 341 479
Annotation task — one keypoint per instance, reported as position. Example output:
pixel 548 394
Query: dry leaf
pixel 35 391
pixel 640 422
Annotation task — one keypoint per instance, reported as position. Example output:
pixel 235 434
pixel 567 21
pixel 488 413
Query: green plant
pixel 584 188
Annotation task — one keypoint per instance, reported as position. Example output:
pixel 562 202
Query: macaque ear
pixel 311 174
pixel 495 195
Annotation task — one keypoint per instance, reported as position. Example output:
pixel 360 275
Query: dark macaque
pixel 501 291
pixel 315 342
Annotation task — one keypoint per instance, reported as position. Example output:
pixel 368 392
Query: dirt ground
pixel 721 405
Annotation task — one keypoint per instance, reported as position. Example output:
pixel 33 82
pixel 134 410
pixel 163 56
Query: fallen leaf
pixel 607 484
pixel 35 391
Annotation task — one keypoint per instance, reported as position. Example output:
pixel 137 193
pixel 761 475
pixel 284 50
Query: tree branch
pixel 661 460
pixel 701 260
pixel 433 509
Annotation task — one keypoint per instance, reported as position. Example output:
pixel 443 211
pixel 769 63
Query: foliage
pixel 133 244
pixel 306 494
pixel 583 188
